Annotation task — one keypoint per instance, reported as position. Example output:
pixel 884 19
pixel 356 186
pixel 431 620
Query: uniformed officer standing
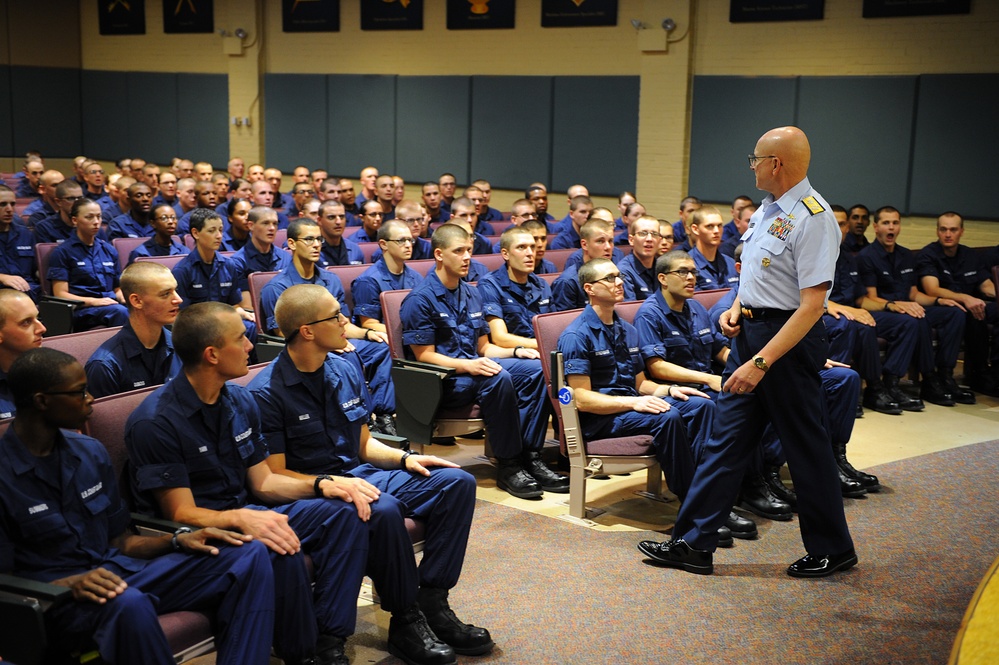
pixel 772 374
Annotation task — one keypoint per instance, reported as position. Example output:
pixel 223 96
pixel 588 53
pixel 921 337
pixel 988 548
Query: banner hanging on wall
pixel 577 13
pixel 480 14
pixel 886 8
pixel 310 15
pixel 756 11
pixel 391 14
pixel 122 17
pixel 188 16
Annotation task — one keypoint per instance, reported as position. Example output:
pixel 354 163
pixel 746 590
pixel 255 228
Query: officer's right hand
pixel 271 529
pixel 729 322
pixel 101 302
pixel 97 586
pixel 15 282
pixel 482 367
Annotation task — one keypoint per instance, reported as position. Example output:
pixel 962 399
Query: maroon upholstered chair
pixel 419 388
pixel 80 345
pixel 588 458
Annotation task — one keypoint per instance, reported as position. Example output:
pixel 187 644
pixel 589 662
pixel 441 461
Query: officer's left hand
pixel 197 541
pixel 830 363
pixel 376 336
pixel 419 463
pixel 650 404
pixel 743 379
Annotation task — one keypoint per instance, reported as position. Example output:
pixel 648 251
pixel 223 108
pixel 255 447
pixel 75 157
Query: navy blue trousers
pixel 855 344
pixel 675 451
pixel 790 396
pixel 376 359
pixel 238 584
pixel 517 390
pixel 444 502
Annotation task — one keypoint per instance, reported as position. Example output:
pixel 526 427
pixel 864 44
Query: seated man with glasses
pixel 59 227
pixel 301 193
pixel 371 218
pixel 714 269
pixel 163 220
pixel 638 268
pixel 412 214
pixel 389 273
pixel 314 413
pixel 371 347
pixel 607 375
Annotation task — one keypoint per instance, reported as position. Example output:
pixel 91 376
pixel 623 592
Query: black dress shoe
pixel 510 476
pixel 725 537
pixel 868 481
pixel 960 395
pixel 848 487
pixel 545 477
pixel 878 399
pixel 464 638
pixel 330 650
pixel 896 394
pixel 759 500
pixel 411 640
pixel 860 412
pixel 934 391
pixel 777 487
pixel 740 527
pixel 823 565
pixel 678 554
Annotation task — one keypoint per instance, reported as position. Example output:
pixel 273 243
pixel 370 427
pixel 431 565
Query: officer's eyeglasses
pixel 683 273
pixel 79 392
pixel 645 235
pixel 402 241
pixel 753 159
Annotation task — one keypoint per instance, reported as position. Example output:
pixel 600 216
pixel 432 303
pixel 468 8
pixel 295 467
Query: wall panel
pixel 296 131
pixel 595 133
pixel 511 130
pixel 956 146
pixel 725 126
pixel 432 127
pixel 45 110
pixel 361 123
pixel 153 116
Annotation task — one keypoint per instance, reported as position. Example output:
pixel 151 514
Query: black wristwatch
pixel 402 460
pixel 515 350
pixel 173 541
pixel 315 487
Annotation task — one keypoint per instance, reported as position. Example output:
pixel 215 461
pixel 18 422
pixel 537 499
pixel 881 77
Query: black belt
pixel 766 313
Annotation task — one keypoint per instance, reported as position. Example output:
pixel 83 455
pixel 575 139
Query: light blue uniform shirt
pixel 788 248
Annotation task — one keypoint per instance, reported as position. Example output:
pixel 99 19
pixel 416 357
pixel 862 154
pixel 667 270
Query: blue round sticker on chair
pixel 564 395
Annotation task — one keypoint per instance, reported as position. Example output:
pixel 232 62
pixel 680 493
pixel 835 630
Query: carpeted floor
pixel 553 592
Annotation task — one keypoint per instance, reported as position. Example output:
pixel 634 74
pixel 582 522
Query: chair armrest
pixel 155 524
pixel 62 301
pixel 44 592
pixel 272 339
pixel 400 442
pixel 445 372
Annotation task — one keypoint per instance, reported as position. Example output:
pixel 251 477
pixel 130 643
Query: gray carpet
pixel 552 592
